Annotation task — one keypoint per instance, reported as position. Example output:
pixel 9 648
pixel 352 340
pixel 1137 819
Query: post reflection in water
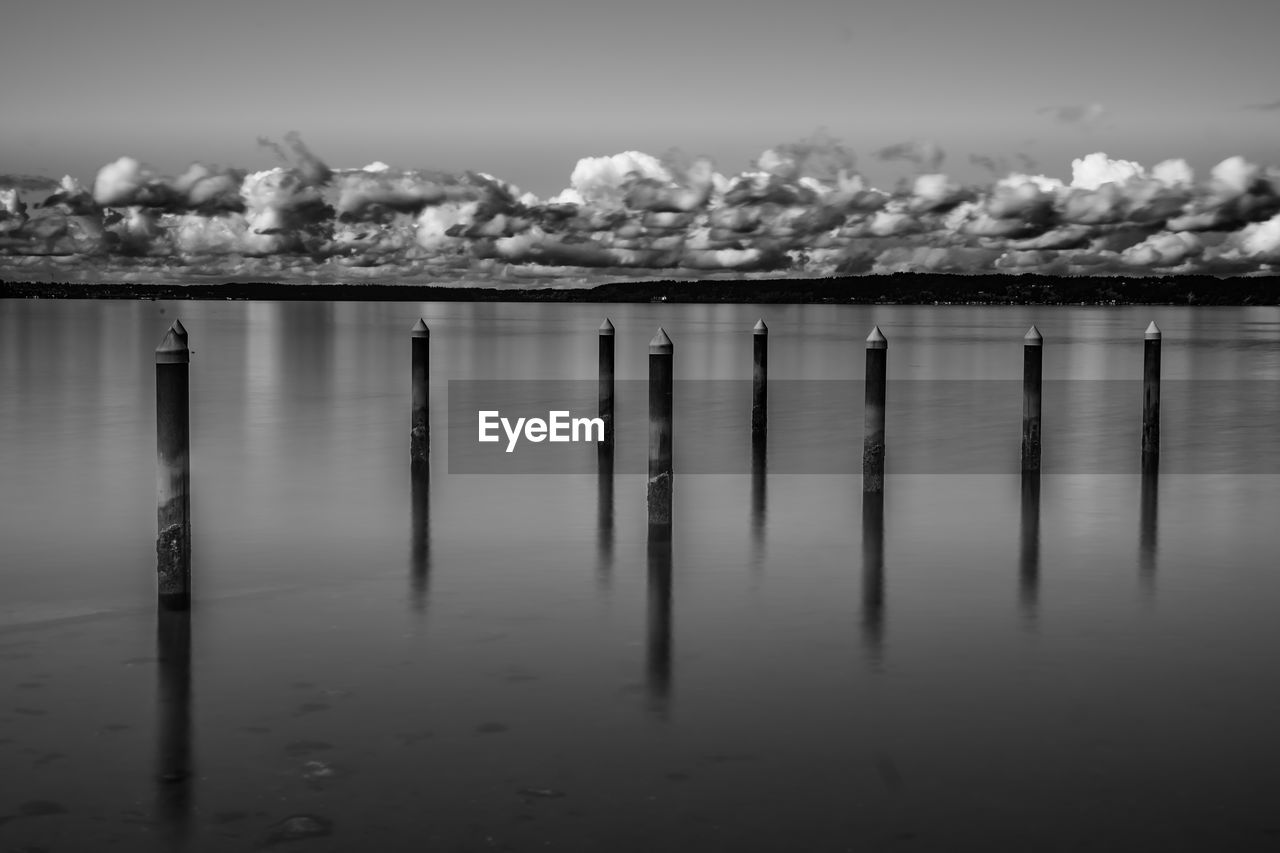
pixel 420 554
pixel 659 625
pixel 759 468
pixel 173 753
pixel 1029 558
pixel 873 574
pixel 1147 536
pixel 604 513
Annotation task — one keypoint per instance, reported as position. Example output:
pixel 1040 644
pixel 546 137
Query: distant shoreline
pixel 895 289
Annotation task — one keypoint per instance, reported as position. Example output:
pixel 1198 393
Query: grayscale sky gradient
pixel 522 90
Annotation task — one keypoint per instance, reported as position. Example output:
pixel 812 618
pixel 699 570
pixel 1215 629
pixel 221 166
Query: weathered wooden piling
pixel 661 379
pixel 173 458
pixel 873 418
pixel 759 426
pixel 607 338
pixel 1032 372
pixel 1151 398
pixel 759 382
pixel 420 429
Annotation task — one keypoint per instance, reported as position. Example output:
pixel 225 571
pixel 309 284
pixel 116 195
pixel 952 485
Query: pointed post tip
pixel 877 340
pixel 661 344
pixel 1033 338
pixel 760 328
pixel 1153 332
pixel 173 349
pixel 420 329
pixel 606 328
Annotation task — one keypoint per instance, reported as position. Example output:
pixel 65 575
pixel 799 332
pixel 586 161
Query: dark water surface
pixel 501 662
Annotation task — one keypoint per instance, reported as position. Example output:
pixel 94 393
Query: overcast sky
pixel 522 90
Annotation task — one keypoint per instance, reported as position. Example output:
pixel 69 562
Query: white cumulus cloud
pixel 1094 170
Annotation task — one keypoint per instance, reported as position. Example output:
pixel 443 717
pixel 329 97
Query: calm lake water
pixel 502 662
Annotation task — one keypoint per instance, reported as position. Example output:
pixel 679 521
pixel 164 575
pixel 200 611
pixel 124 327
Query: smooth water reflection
pixel 174 770
pixel 968 661
pixel 1029 563
pixel 759 493
pixel 421 554
pixel 604 515
pixel 873 606
pixel 659 664
pixel 1148 522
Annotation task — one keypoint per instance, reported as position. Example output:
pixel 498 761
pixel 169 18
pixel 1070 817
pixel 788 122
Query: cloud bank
pixel 801 209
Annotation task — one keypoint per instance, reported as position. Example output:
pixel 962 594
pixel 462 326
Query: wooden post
pixel 759 382
pixel 873 418
pixel 661 378
pixel 1151 398
pixel 606 383
pixel 420 429
pixel 1032 366
pixel 173 458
